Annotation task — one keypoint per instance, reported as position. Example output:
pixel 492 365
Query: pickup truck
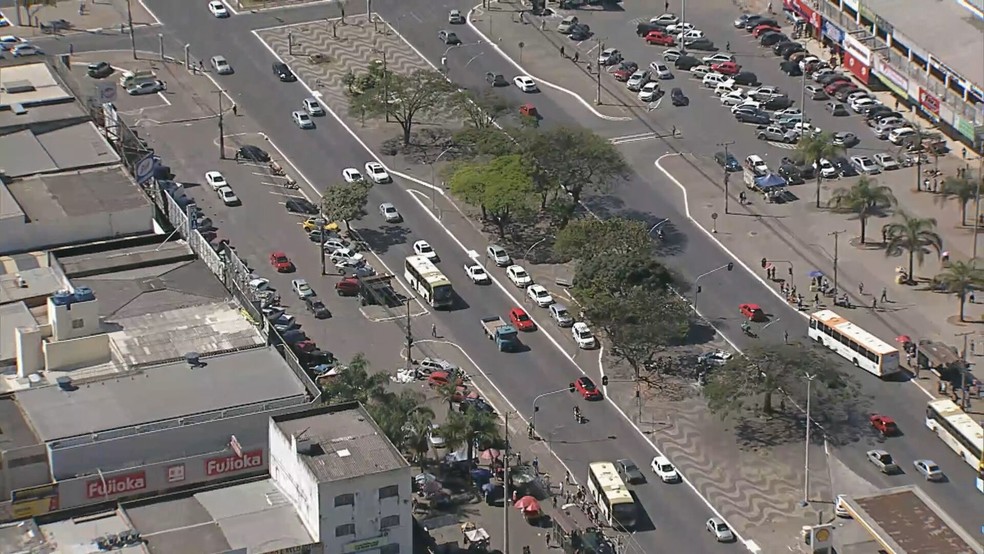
pixel 777 134
pixel 883 461
pixel 506 336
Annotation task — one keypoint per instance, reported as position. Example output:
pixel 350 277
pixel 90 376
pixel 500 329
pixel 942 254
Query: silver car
pixel 221 66
pixel 313 107
pixel 929 470
pixel 146 87
pixel 390 213
pixel 302 120
pixel 717 527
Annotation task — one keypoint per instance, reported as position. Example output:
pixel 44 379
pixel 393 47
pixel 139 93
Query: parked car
pixel 727 161
pixel 99 70
pixel 678 98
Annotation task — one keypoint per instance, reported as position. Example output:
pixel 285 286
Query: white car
pixel 302 120
pixel 583 336
pixel 377 173
pixel 840 509
pixel 649 91
pixel 221 65
pixel 301 288
pixel 718 358
pixel 498 255
pixel 886 161
pixel 609 56
pixel 539 295
pixel 719 57
pixel 789 112
pixel 865 165
pixel 665 19
pixel 748 103
pixel 717 527
pixel 351 175
pixel 861 104
pixel 804 128
pixel 25 49
pixel 259 284
pixel 218 9
pixel 8 42
pixel 215 179
pixel 664 470
pixel 519 277
pixel 228 196
pixel 347 257
pixel 434 436
pixel 637 80
pixel 313 107
pixel 827 169
pixel 455 17
pixel 660 70
pixel 680 26
pixel 390 213
pixel 929 470
pixel 897 136
pixel 700 71
pixel 423 248
pixel 755 163
pixel 477 274
pixel 147 87
pixel 733 98
pixel 692 34
pixel 525 83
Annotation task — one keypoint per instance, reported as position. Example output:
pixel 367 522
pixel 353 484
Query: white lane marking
pixel 737 260
pixel 157 20
pixel 465 249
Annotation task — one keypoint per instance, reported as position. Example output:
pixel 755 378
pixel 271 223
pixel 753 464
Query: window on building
pixel 390 491
pixel 391 548
pixel 345 500
pixel 345 530
pixel 78 324
pixel 389 521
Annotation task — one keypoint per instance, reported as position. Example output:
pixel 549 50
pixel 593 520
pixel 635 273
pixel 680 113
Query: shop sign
pixel 116 485
pixel 175 473
pixel 929 101
pixel 854 65
pixel 833 32
pixel 892 78
pixel 367 544
pixel 232 463
pixel 801 7
pixel 857 58
pixel 965 127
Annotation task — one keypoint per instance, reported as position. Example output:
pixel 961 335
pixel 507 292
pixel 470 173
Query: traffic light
pixel 571 387
pixel 765 262
pixel 604 380
pixel 731 265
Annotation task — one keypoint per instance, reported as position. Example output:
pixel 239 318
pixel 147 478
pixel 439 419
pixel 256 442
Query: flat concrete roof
pixel 32 83
pixel 345 442
pixel 9 208
pixel 945 29
pixel 254 516
pixel 17 432
pixel 78 535
pixel 24 536
pixel 12 316
pixel 168 391
pixel 905 520
pixel 16 263
pixel 79 193
pixel 41 282
pixel 102 261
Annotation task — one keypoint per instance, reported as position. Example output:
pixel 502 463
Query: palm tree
pixel 469 428
pixel 447 393
pixel 815 148
pixel 960 278
pixel 964 190
pixel 865 198
pixel 356 383
pixel 418 427
pixel 914 235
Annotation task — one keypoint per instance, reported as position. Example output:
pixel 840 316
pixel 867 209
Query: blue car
pixel 727 161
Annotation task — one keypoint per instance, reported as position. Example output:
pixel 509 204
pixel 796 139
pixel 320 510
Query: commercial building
pixel 929 54
pixel 61 181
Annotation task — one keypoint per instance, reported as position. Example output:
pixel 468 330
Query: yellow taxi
pixel 312 223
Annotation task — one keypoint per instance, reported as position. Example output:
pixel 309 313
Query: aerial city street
pixel 394 276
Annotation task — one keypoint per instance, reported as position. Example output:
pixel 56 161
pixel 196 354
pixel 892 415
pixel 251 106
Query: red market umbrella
pixel 528 504
pixel 903 339
pixel 490 454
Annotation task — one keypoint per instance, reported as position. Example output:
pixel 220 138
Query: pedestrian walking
pixel 884 294
pixel 543 24
pixel 971 297
pixel 568 478
pixel 235 109
pixel 201 66
pixel 562 52
pixel 860 287
pixel 536 464
pixel 434 330
pixel 727 46
pixel 577 55
pixel 553 500
pixel 121 29
pixel 816 299
pixel 908 359
pixel 666 6
pixel 548 539
pixel 785 337
pixel 884 235
pixel 874 303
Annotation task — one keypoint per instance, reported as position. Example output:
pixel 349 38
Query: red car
pixel 348 286
pixel 835 86
pixel 625 70
pixel 587 389
pixel 660 38
pixel 521 320
pixel 726 68
pixel 884 425
pixel 281 262
pixel 752 311
pixel 762 29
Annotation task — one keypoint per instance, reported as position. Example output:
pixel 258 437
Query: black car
pixel 99 70
pixel 845 167
pixel 643 29
pixel 630 472
pixel 753 20
pixel 777 47
pixel 580 32
pixel 301 206
pixel 790 68
pixel 843 92
pixel 727 161
pixel 778 103
pixel 791 174
pixel 746 78
pixel 252 153
pixel 700 44
pixel 752 115
pixel 830 78
pixel 678 98
pixel 317 308
pixel 686 63
pixel 317 357
pixel 751 23
pixel 789 50
pixel 496 79
pixel 476 404
pixel 283 72
pixel 772 38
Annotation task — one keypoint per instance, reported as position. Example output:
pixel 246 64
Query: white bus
pixel 957 430
pixel 428 281
pixel 854 343
pixel 613 498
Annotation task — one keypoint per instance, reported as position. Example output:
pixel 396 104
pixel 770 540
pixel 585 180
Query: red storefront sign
pixel 929 101
pixel 801 7
pixel 858 69
pixel 857 58
pixel 116 485
pixel 233 463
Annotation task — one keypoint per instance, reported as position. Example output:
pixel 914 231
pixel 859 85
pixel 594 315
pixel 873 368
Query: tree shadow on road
pixel 673 241
pixel 381 239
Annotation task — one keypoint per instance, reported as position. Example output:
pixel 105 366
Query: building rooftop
pixel 79 535
pixel 344 442
pixel 946 29
pixel 173 390
pixel 9 208
pixel 29 84
pixel 904 519
pixel 80 193
pixel 15 431
pixel 12 316
pixel 41 282
pixel 255 517
pixel 24 536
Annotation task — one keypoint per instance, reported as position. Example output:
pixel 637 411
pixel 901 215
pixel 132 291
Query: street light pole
pixel 836 235
pixel 505 489
pixel 727 175
pixel 221 127
pixel 977 206
pixel 806 463
pixel 601 48
pixel 729 266
pixel 537 399
pixel 129 22
pixel 535 244
pixel 434 177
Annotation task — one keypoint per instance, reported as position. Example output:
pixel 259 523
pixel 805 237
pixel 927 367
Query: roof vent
pixel 194 360
pixel 65 383
pixel 344 453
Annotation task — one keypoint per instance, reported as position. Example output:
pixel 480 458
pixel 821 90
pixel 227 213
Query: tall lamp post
pixel 729 266
pixel 434 177
pixel 221 92
pixel 536 408
pixel 806 463
pixel 836 235
pixel 727 174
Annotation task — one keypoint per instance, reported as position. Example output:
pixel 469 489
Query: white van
pixel 712 80
pixel 129 78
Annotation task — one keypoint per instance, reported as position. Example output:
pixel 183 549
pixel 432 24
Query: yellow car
pixel 311 223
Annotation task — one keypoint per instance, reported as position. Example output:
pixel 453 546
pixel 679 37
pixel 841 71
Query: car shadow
pixel 381 239
pixel 459 303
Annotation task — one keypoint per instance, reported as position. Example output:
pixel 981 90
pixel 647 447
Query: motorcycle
pixel 577 415
pixel 748 331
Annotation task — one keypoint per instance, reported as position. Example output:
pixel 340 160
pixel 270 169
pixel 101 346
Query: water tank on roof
pixel 62 298
pixel 84 294
pixel 65 383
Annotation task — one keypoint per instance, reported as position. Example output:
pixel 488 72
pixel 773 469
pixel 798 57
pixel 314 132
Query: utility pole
pixel 601 48
pixel 409 338
pixel 806 463
pixel 324 237
pixel 506 500
pixel 977 206
pixel 727 174
pixel 221 128
pixel 836 235
pixel 129 22
pixel 386 97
